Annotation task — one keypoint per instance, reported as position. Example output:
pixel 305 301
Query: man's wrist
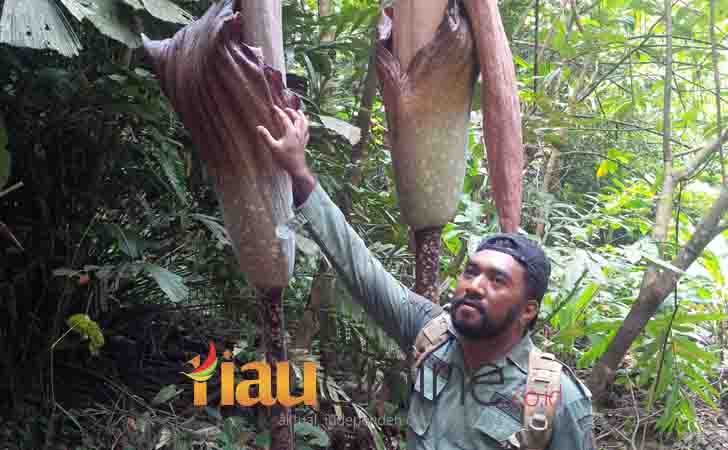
pixel 302 183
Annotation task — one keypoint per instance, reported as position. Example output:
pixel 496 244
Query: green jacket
pixel 449 408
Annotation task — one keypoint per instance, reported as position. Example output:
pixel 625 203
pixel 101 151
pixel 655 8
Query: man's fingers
pixel 302 124
pixel 293 116
pixel 265 134
pixel 285 120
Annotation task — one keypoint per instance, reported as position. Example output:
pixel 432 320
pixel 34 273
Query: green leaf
pixel 313 434
pixel 521 62
pixel 603 168
pixel 451 237
pixel 701 317
pixel 701 379
pixel 263 439
pixel 170 283
pixel 166 394
pixel 129 242
pixel 710 262
pixel 172 168
pixel 693 353
pixel 599 346
pixel 218 230
pixel 699 388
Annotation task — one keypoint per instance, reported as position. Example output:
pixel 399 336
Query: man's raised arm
pixel 400 312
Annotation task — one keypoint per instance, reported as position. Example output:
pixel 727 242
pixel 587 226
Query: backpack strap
pixel 539 403
pixel 430 338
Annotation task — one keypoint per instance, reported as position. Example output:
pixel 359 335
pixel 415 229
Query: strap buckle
pixel 538 422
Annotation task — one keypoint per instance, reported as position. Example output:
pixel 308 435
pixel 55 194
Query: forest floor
pixel 128 398
pixel 616 427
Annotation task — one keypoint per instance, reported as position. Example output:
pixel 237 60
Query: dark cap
pixel 528 253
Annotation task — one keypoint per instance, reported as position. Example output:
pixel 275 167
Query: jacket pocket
pixel 427 387
pixel 492 429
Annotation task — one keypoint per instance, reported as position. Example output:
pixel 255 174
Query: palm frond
pixel 38 24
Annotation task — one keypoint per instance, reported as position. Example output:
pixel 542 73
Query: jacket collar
pixel 517 356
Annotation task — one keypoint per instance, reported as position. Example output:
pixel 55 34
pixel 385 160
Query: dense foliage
pixel 108 226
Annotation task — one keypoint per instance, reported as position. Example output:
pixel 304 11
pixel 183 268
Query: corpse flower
pixel 222 89
pixel 428 56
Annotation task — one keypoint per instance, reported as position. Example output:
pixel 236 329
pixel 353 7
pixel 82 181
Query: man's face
pixel 490 295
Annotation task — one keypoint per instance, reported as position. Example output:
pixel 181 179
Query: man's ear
pixel 530 312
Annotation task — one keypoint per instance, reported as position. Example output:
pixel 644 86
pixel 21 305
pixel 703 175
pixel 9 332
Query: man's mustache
pixel 468 300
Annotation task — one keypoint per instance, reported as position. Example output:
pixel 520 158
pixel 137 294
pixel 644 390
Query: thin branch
pixel 17 185
pixel 633 125
pixel 663 213
pixel 710 226
pixel 535 49
pixel 616 161
pixel 684 38
pixel 667 100
pixel 575 17
pixel 564 302
pixel 702 154
pixel 716 77
pixel 624 58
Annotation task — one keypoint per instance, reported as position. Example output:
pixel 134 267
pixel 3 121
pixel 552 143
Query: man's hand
pixel 289 151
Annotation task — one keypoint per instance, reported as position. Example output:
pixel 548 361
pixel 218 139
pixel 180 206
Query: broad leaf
pixel 218 231
pixel 38 24
pixel 130 243
pixel 167 11
pixel 171 283
pixel 344 129
pixel 166 394
pixel 108 17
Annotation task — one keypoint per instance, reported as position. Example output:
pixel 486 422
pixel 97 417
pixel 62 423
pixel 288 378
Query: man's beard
pixel 487 328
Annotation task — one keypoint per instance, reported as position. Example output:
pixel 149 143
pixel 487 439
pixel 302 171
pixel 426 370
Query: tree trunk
pixel 363 121
pixel 550 185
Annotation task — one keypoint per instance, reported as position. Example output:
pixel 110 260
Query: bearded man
pixel 480 383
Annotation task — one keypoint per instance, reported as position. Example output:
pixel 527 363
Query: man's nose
pixel 476 285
